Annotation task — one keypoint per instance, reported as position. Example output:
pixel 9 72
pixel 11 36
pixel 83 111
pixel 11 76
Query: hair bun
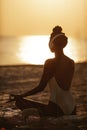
pixel 57 29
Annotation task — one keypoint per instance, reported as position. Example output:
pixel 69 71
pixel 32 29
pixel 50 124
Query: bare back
pixel 63 70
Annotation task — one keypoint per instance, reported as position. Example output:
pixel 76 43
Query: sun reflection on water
pixel 35 50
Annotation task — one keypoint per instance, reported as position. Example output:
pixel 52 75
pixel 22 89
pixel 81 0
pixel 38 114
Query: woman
pixel 58 73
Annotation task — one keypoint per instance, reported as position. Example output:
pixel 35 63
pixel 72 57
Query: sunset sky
pixel 25 26
pixel 38 17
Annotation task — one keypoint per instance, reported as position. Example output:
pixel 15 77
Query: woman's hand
pixel 14 97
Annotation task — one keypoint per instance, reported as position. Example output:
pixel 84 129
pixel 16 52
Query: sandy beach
pixel 20 78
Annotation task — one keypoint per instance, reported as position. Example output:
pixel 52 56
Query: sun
pixel 34 49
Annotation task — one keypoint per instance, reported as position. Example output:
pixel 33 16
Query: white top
pixel 63 98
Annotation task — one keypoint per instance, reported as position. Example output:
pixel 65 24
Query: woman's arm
pixel 43 82
pixel 35 90
pixel 47 74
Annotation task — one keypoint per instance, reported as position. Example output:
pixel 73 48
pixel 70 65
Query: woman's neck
pixel 59 54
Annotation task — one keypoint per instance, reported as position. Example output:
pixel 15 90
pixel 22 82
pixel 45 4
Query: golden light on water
pixel 35 49
pixel 70 49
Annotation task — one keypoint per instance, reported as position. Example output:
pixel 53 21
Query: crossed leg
pixel 51 109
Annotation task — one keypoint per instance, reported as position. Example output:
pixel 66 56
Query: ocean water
pixel 18 79
pixel 20 76
pixel 35 50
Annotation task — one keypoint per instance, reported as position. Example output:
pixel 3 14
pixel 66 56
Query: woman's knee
pixel 20 104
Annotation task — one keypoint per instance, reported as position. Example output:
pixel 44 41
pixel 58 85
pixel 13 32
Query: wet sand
pixel 18 79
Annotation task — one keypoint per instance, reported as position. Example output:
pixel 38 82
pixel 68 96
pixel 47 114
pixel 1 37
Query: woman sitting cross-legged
pixel 57 73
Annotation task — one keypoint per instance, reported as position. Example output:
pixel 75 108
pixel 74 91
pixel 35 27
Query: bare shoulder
pixel 49 62
pixel 70 62
pixel 49 65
